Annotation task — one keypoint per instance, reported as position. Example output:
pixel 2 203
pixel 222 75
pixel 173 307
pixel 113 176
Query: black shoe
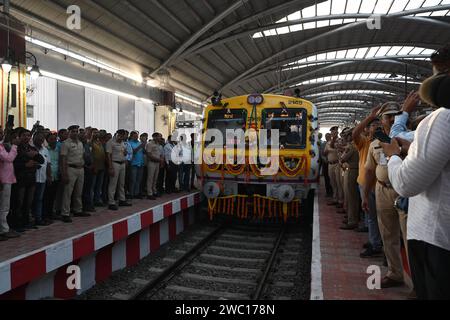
pixel 363 229
pixel 3 238
pixel 99 204
pixel 113 207
pixel 370 253
pixel 124 204
pixel 11 234
pixel 138 197
pixel 66 219
pixel 82 214
pixel 367 245
pixel 30 226
pixel 151 198
pixel 348 227
pixel 42 223
pixel 20 230
pixel 90 209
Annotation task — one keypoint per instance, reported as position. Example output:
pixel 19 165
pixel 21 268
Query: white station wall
pixel 57 104
pixel 144 117
pixel 43 96
pixel 101 110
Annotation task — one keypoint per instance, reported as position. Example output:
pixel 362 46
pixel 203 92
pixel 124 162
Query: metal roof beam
pixel 342 29
pixel 199 33
pixel 154 24
pixel 313 74
pixel 272 67
pixel 205 44
pixel 378 85
pixel 161 7
pixel 103 8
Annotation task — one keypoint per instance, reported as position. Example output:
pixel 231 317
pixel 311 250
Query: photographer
pixel 424 176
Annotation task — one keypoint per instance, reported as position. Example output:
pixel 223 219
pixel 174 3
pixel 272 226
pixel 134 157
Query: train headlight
pixel 285 193
pixel 255 99
pixel 211 190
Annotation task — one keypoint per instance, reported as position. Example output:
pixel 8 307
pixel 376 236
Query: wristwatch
pixel 389 158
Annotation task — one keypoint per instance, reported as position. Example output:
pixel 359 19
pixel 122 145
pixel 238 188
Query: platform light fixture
pixel 7 65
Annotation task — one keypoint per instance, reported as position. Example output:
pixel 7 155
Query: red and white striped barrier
pixel 98 252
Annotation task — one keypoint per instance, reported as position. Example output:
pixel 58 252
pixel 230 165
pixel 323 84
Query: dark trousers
pixel 88 200
pixel 144 181
pixel 23 199
pixel 192 176
pixel 185 179
pixel 171 177
pixel 161 176
pixel 430 268
pixel 97 186
pixel 49 199
pixel 326 176
pixel 105 186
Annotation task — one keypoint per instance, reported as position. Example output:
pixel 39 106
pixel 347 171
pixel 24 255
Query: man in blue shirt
pixel 137 163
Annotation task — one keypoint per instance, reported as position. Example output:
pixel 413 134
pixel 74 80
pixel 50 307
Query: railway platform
pixel 338 273
pixel 36 265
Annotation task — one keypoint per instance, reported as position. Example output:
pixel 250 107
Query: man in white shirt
pixel 43 175
pixel 424 176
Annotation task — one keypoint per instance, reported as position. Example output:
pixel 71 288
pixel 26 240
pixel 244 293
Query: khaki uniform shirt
pixel 74 152
pixel 351 157
pixel 154 150
pixel 116 150
pixel 332 153
pixel 376 160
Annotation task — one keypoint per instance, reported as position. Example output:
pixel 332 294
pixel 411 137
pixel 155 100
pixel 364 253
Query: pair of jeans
pixel 38 201
pixel 372 222
pixel 135 177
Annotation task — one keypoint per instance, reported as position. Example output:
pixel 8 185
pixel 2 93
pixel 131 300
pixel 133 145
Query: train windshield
pixel 291 124
pixel 227 119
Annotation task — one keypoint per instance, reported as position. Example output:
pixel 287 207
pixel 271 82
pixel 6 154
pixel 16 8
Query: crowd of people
pixel 47 176
pixel 395 153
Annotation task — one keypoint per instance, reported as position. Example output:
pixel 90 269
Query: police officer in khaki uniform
pixel 72 175
pixel 154 160
pixel 388 219
pixel 331 153
pixel 350 161
pixel 116 153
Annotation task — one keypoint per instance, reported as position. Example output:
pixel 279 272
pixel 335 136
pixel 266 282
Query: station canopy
pixel 344 55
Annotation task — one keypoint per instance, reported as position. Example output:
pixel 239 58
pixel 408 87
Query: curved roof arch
pixel 209 45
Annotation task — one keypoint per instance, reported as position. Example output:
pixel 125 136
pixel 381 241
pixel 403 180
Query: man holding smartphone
pixel 376 171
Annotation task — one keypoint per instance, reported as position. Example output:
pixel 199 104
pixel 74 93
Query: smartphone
pixel 383 137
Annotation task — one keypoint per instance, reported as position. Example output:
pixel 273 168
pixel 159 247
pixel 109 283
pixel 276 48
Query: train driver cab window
pixel 224 119
pixel 291 124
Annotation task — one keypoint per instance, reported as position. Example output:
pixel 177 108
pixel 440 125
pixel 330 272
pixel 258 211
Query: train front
pixel 259 157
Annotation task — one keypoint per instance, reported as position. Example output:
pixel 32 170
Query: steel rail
pixel 262 282
pixel 164 277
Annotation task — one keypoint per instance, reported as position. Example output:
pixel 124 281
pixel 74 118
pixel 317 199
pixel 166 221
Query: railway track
pixel 231 263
